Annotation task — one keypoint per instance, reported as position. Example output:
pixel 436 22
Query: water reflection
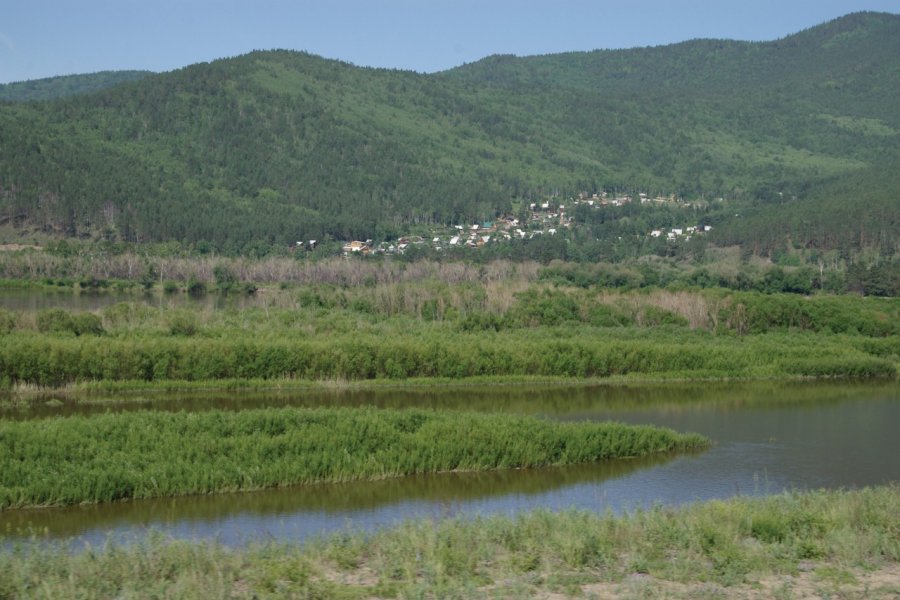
pixel 311 509
pixel 767 437
pixel 567 402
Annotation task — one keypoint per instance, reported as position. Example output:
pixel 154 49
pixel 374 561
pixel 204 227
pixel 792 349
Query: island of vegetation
pixel 151 454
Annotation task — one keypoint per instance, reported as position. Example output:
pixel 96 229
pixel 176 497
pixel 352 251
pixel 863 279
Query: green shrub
pixel 481 321
pixel 534 308
pixel 195 287
pixel 8 321
pixel 603 315
pixel 769 528
pixel 225 278
pixel 183 322
pixel 653 316
pixel 87 324
pixel 93 283
pixel 57 320
pixel 54 320
pixel 148 279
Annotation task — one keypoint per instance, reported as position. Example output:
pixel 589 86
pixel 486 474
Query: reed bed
pixel 151 454
pixel 432 330
pixel 394 353
pixel 822 544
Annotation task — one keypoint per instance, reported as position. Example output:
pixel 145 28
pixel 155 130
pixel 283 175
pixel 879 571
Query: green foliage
pixel 179 354
pixel 226 279
pixel 142 455
pixel 544 307
pixel 758 313
pixel 148 279
pixel 852 213
pixel 429 330
pixel 8 321
pixel 66 85
pixel 57 320
pixel 54 320
pixel 86 324
pixel 877 280
pixel 183 322
pixel 196 287
pixel 653 316
pixel 734 543
pixel 250 154
pixel 604 315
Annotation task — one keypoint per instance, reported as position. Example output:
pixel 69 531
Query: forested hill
pixel 280 146
pixel 831 59
pixel 65 85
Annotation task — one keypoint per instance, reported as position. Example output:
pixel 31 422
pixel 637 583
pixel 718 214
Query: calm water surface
pixel 767 438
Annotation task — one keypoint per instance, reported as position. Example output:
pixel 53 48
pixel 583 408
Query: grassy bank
pixel 152 454
pixel 53 361
pixel 433 331
pixel 825 544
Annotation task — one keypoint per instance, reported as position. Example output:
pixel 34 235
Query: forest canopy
pixel 280 146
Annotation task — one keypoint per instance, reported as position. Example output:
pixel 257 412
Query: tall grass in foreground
pixel 831 538
pixel 103 458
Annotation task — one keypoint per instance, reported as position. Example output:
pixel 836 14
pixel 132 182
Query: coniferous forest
pixel 793 143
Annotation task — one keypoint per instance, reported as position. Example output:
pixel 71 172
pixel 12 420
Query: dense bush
pixel 196 287
pixel 7 321
pixel 758 313
pixel 543 307
pixel 57 320
pixel 183 322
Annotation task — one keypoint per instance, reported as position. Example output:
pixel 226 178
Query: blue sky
pixel 42 38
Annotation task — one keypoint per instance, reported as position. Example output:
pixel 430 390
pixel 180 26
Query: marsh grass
pixel 110 457
pixel 372 352
pixel 431 330
pixel 730 545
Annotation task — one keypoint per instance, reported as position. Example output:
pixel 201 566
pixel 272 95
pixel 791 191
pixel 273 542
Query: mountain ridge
pixel 284 145
pixel 60 86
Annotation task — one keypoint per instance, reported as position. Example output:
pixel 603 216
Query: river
pixel 767 437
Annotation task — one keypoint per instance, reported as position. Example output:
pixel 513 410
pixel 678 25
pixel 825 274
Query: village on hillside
pixel 541 218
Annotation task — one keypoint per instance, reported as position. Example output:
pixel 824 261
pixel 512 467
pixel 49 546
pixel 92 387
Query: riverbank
pixel 435 333
pixel 826 543
pixel 52 360
pixel 102 458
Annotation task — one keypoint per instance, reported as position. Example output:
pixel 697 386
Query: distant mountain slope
pixel 854 212
pixel 858 49
pixel 279 146
pixel 66 85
